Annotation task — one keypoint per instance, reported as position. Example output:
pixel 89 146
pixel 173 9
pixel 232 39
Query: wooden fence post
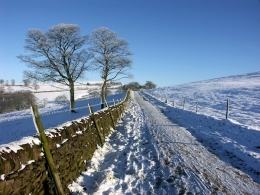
pixel 46 150
pixel 111 115
pixel 184 104
pixel 96 124
pixel 120 106
pixel 114 102
pixel 228 105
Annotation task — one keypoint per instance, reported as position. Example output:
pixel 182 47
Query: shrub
pixel 18 100
pixel 61 99
pixel 42 103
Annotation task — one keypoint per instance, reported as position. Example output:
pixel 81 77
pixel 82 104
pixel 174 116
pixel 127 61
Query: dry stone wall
pixel 24 171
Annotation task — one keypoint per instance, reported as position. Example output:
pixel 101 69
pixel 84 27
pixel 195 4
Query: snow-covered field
pixel 159 149
pixel 242 90
pixel 16 125
pixel 50 91
pixel 151 154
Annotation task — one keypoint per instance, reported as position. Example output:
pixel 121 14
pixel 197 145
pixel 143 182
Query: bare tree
pixel 57 56
pixel 110 57
pixel 13 82
pixel 2 82
pixel 26 82
pixel 135 86
pixel 36 86
pixel 2 89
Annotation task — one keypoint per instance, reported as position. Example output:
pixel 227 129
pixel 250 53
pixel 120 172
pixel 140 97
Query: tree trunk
pixel 103 95
pixel 72 101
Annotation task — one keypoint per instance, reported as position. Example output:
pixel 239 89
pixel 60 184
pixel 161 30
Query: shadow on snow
pixel 234 144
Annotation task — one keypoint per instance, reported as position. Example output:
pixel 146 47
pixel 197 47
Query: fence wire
pixel 52 112
pixel 195 105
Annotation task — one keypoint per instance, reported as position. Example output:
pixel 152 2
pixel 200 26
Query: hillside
pixel 164 149
pixel 16 125
pixel 160 148
pixel 242 90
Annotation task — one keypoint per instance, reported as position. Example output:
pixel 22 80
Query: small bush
pixel 61 99
pixel 94 94
pixel 16 101
pixel 42 103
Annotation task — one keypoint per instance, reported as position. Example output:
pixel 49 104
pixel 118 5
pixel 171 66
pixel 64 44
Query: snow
pixel 242 90
pixel 2 177
pixel 159 149
pixel 18 127
pixel 24 165
pixel 16 145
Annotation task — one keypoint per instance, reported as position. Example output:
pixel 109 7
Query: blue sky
pixel 173 41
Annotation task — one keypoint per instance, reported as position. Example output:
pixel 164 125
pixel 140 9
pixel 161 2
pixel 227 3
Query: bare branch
pixel 56 55
pixel 111 56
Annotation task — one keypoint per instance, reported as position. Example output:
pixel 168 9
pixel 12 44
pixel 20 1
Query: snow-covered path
pixel 149 154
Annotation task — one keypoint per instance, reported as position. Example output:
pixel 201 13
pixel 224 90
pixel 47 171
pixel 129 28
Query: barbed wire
pixel 15 118
pixel 57 112
pixel 188 103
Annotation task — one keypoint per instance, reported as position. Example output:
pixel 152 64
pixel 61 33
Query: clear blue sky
pixel 174 41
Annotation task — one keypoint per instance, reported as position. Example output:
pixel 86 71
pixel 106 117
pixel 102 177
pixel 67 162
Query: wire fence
pixel 220 109
pixel 17 125
pixel 58 109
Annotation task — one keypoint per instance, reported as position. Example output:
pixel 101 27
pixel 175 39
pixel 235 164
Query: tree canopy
pixel 136 86
pixel 110 56
pixel 149 85
pixel 56 55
